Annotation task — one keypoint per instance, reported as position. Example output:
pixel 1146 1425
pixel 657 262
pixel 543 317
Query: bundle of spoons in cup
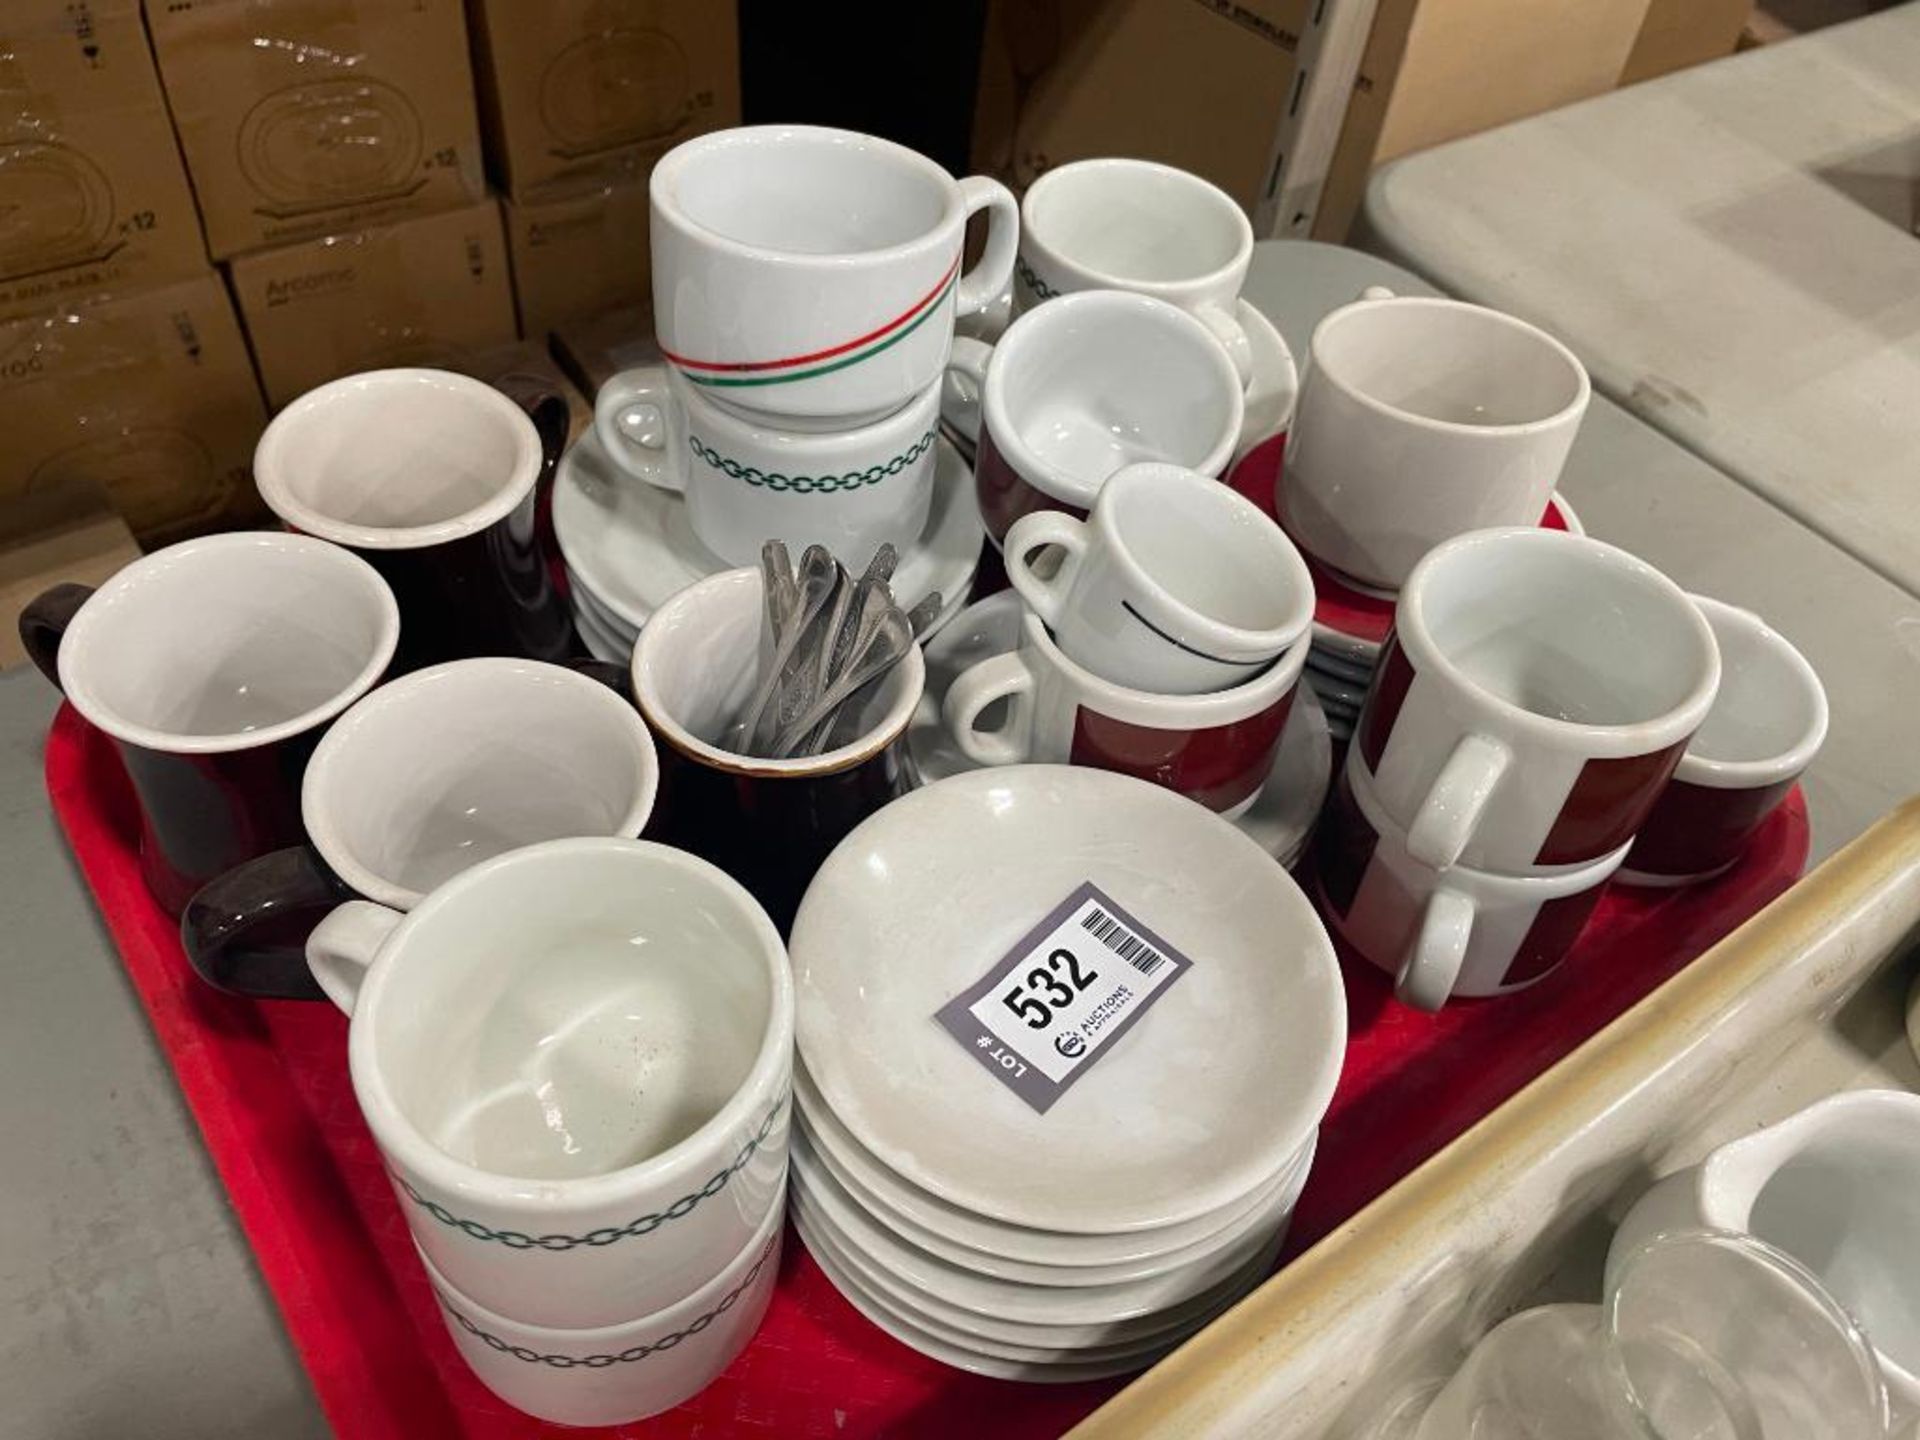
pixel 831 639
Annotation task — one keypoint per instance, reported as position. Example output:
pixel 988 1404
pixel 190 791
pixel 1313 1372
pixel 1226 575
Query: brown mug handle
pixel 222 928
pixel 44 621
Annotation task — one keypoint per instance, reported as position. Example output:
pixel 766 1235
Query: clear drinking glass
pixel 1706 1336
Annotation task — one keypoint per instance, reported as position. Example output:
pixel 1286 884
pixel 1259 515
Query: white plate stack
pixel 1090 1235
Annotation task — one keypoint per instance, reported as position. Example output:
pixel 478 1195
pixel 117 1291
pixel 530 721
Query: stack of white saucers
pixel 1093 1232
pixel 629 546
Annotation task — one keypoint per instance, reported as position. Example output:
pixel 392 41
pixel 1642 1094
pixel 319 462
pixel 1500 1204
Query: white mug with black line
pixel 749 479
pixel 1174 583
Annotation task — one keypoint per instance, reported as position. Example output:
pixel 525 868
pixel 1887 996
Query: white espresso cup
pixel 1420 419
pixel 1537 692
pixel 1174 583
pixel 749 479
pixel 1121 224
pixel 575 1060
pixel 1442 933
pixel 810 272
pixel 616 1374
pixel 1086 385
pixel 1216 749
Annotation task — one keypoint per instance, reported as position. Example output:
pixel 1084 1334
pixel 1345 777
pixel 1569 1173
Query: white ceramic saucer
pixel 1216 1084
pixel 1281 816
pixel 599 642
pixel 915 1273
pixel 1256 1213
pixel 1336 694
pixel 961 1358
pixel 1275 383
pixel 1339 666
pixel 631 543
pixel 610 623
pixel 1128 1255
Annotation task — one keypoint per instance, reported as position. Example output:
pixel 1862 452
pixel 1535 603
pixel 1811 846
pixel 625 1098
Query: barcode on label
pixel 1122 941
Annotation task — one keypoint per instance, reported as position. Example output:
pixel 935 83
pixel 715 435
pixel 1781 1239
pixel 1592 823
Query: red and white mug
pixel 1216 748
pixel 1442 933
pixel 1535 696
pixel 1766 725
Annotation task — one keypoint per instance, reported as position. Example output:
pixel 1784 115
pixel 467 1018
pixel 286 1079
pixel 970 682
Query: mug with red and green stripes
pixel 815 274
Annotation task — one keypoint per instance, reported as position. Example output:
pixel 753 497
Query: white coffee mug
pixel 1122 224
pixel 803 271
pixel 575 1060
pixel 1537 692
pixel 749 479
pixel 1420 419
pixel 1442 933
pixel 1081 387
pixel 1215 749
pixel 1174 583
pixel 615 1374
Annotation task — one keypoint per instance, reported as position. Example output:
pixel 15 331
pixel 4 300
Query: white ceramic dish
pixel 610 622
pixel 955 875
pixel 1275 384
pixel 1094 1259
pixel 1335 692
pixel 1338 666
pixel 1036 1345
pixel 632 544
pixel 961 1359
pixel 965 1327
pixel 1258 1213
pixel 915 1274
pixel 1280 817
pixel 600 643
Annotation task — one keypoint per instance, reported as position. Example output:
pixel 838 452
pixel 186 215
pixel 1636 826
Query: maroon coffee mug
pixel 1767 723
pixel 214 665
pixel 435 480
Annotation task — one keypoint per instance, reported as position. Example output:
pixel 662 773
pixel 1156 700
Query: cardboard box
pixel 1680 33
pixel 412 293
pixel 303 118
pixel 1203 84
pixel 578 254
pixel 149 395
pixel 93 194
pixel 593 350
pixel 579 90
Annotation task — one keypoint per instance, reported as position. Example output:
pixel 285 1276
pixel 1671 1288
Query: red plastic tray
pixel 267 1082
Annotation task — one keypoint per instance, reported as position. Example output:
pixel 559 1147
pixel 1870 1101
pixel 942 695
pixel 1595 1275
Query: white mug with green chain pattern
pixel 748 479
pixel 815 274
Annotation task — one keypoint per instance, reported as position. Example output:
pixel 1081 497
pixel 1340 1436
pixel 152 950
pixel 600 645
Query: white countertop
pixel 1730 250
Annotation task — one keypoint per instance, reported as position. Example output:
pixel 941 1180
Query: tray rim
pixel 1823 936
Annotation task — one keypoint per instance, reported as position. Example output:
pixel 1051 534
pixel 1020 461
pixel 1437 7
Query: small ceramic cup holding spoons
pixel 1174 584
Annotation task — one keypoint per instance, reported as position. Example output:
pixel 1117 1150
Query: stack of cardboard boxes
pixel 326 155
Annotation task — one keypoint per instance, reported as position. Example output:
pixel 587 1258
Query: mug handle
pixel 217 929
pixel 1046 598
pixel 1228 330
pixel 43 624
pixel 1377 292
pixel 993 271
pixel 1427 978
pixel 1451 813
pixel 1004 677
pixel 963 390
pixel 658 463
pixel 547 408
pixel 344 944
